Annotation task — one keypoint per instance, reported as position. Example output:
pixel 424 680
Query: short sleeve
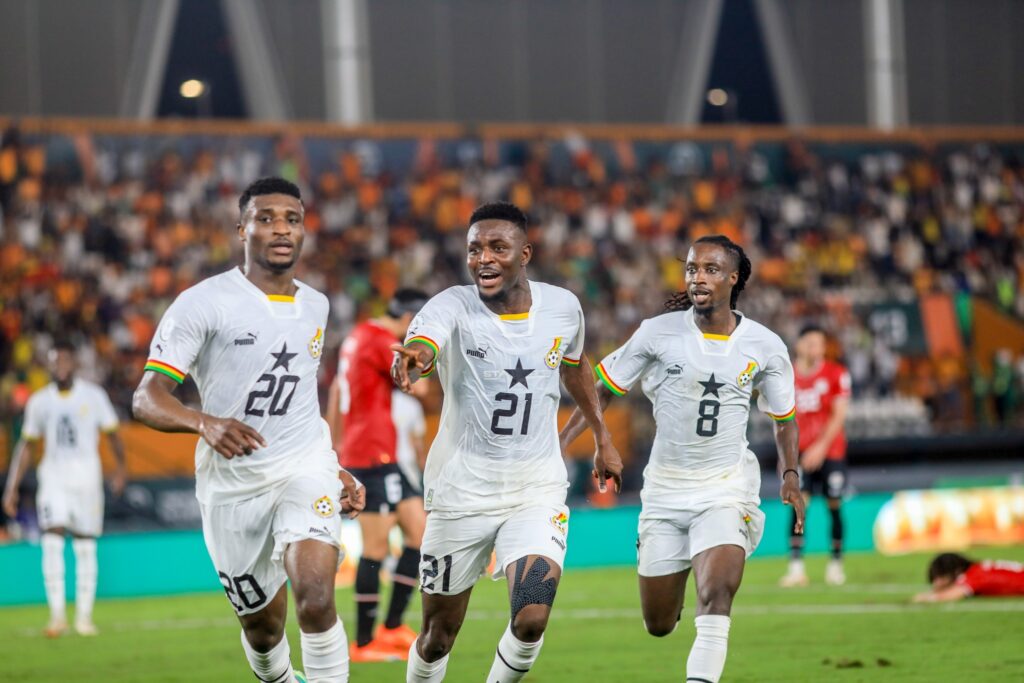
pixel 108 416
pixel 623 367
pixel 843 383
pixel 34 424
pixel 574 350
pixel 179 337
pixel 433 325
pixel 775 383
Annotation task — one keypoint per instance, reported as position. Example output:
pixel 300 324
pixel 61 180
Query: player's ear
pixel 527 254
pixel 241 231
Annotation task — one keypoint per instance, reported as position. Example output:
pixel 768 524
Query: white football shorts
pixel 669 539
pixel 79 509
pixel 247 540
pixel 456 551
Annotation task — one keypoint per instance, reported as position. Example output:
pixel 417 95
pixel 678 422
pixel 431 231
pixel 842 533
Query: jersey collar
pixel 717 344
pixel 517 326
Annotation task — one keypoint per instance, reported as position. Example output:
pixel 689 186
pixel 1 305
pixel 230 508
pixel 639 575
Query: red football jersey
pixel 364 373
pixel 815 393
pixel 994 577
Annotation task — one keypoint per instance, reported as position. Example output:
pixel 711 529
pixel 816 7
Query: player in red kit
pixel 365 439
pixel 955 577
pixel 822 399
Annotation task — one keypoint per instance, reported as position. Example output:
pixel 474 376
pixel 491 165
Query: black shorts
pixel 386 487
pixel 829 480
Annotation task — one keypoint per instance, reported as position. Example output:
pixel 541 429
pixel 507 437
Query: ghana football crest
pixel 554 354
pixel 747 376
pixel 324 506
pixel 316 344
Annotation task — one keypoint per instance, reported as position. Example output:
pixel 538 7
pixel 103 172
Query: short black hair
pixel 500 211
pixel 271 185
pixel 811 328
pixel 949 565
pixel 64 344
pixel 406 300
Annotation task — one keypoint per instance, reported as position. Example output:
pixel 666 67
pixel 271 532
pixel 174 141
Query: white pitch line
pixel 598 613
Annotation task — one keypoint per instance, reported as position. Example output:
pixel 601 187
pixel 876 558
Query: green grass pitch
pixel 864 631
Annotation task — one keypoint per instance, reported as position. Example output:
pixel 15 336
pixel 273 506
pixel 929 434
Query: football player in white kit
pixel 700 365
pixel 68 416
pixel 267 478
pixel 495 478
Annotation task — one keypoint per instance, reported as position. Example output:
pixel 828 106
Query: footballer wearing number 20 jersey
pixel 254 357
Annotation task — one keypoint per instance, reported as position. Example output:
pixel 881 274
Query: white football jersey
pixel 254 358
pixel 407 414
pixel 70 423
pixel 497 444
pixel 701 387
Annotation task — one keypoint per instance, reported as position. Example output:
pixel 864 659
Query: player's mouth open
pixel 488 278
pixel 282 247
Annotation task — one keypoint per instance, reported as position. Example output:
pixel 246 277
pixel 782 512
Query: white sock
pixel 513 658
pixel 272 667
pixel 325 655
pixel 53 575
pixel 707 656
pixel 419 671
pixel 86 572
pixel 796 567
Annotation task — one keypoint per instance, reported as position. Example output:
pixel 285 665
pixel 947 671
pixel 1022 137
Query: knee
pixel 264 634
pixel 314 607
pixel 435 641
pixel 660 626
pixel 715 597
pixel 529 625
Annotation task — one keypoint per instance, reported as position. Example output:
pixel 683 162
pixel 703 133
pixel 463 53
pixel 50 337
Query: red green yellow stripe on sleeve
pixel 420 339
pixel 165 369
pixel 571 362
pixel 602 374
pixel 784 418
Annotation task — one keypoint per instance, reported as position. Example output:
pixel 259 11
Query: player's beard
pixel 278 267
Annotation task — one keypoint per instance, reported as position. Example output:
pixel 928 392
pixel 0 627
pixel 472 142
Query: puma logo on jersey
pixel 675 370
pixel 248 340
pixel 476 353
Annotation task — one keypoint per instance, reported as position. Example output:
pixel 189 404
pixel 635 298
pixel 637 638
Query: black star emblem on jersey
pixel 518 374
pixel 711 386
pixel 282 358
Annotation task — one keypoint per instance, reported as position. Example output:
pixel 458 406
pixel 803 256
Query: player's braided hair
pixel 680 301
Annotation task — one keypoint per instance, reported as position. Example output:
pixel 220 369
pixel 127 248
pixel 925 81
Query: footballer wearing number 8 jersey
pixel 267 478
pixel 700 364
pixel 494 477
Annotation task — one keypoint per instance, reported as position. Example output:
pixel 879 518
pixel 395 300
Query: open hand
pixel 229 437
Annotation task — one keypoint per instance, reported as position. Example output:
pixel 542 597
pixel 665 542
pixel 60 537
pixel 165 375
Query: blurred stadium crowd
pixel 99 233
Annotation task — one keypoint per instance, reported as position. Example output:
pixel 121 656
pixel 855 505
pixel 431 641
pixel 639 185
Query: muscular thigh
pixel 661 597
pixel 455 553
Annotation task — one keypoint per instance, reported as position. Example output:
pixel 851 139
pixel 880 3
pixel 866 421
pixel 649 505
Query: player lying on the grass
pixel 495 478
pixel 68 416
pixel 699 364
pixel 955 577
pixel 267 478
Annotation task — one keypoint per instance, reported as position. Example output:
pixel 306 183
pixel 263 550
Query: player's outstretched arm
pixel 579 382
pixel 947 594
pixel 154 405
pixel 27 451
pixel 786 441
pixel 409 364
